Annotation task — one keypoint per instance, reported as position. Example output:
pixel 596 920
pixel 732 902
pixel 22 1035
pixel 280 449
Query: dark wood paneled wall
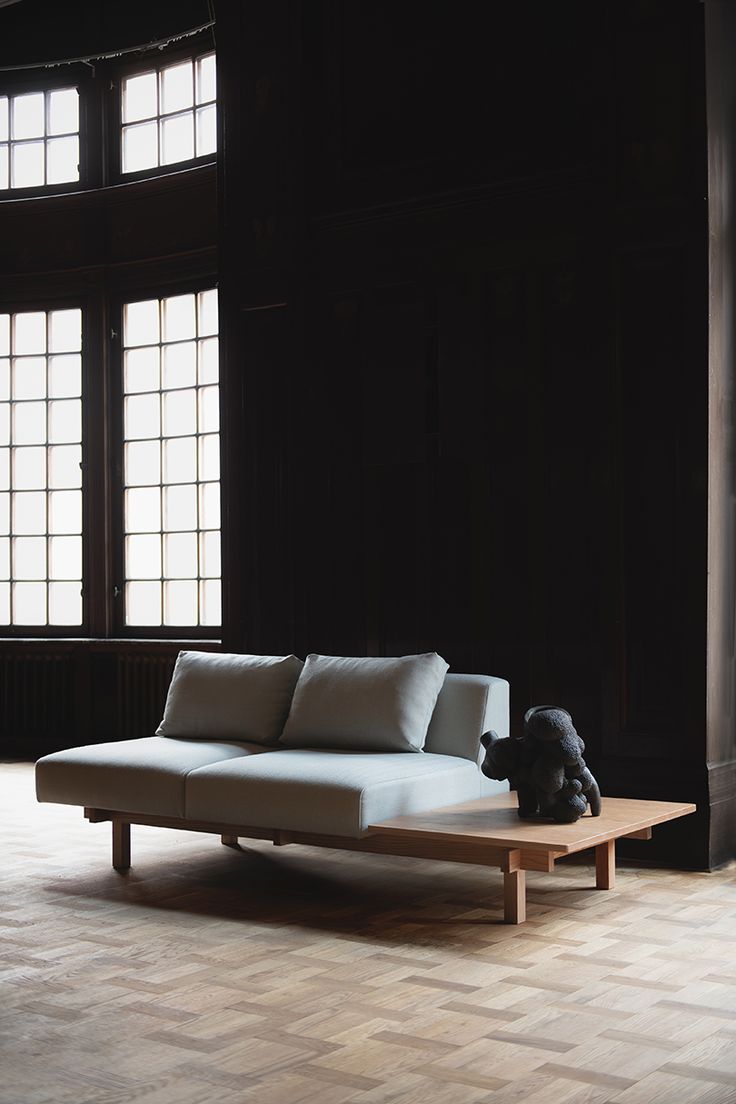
pixel 464 252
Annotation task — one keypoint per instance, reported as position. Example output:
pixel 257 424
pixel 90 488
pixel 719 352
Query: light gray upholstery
pixel 468 706
pixel 131 776
pixel 335 793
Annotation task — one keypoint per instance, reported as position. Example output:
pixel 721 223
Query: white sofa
pixel 267 791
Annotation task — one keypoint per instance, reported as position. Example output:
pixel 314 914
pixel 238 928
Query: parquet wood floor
pixel 303 976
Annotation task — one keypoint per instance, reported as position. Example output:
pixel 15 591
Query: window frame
pixel 29 81
pixel 49 303
pixel 131 69
pixel 160 289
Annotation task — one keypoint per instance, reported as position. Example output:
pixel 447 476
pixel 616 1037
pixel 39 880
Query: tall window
pixel 168 114
pixel 39 138
pixel 172 461
pixel 41 468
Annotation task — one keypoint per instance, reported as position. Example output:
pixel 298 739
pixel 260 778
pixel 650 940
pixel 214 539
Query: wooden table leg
pixel 229 841
pixel 514 897
pixel 605 865
pixel 121 845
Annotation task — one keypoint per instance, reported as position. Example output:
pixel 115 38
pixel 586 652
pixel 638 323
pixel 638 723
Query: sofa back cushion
pixel 468 706
pixel 216 695
pixel 364 704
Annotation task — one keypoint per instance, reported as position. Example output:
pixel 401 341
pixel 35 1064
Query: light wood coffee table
pixel 490 832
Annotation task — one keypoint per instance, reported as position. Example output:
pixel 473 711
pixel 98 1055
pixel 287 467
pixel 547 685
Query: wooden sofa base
pixel 512 861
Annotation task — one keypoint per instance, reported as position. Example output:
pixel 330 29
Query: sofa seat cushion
pixel 336 793
pixel 130 776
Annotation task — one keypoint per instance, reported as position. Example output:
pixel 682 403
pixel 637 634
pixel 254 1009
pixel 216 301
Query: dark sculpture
pixel 545 766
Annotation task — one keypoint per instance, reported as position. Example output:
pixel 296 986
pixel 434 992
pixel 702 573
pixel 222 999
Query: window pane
pixel 180 603
pixel 64 111
pixel 65 376
pixel 4 167
pixel 180 507
pixel 140 147
pixel 4 423
pixel 27 165
pixel 180 460
pixel 4 558
pixel 29 468
pixel 206 130
pixel 143 557
pixel 209 458
pixel 209 506
pixel 29 558
pixel 207 317
pixel 143 510
pixel 177 139
pixel 65 331
pixel 4 334
pixel 29 423
pixel 143 604
pixel 29 333
pixel 4 379
pixel 4 469
pixel 209 555
pixel 206 84
pixel 140 99
pixel 179 319
pixel 65 512
pixel 180 412
pixel 180 365
pixel 28 116
pixel 65 558
pixel 142 463
pixel 29 378
pixel 210 590
pixel 62 160
pixel 142 416
pixel 208 361
pixel 142 369
pixel 209 409
pixel 180 556
pixel 65 466
pixel 4 514
pixel 4 119
pixel 141 323
pixel 4 603
pixel 29 512
pixel 65 604
pixel 177 92
pixel 29 603
pixel 65 421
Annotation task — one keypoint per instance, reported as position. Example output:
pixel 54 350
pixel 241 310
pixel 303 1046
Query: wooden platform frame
pixel 487 832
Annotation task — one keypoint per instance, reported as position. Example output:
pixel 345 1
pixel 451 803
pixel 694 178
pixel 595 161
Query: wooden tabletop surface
pixel 495 821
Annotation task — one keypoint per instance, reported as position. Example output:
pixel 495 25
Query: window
pixel 39 138
pixel 41 468
pixel 172 461
pixel 168 114
pixel 53 129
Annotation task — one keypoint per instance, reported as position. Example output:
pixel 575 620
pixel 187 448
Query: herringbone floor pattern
pixel 297 976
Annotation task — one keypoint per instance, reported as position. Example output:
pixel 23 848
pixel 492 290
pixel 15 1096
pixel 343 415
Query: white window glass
pixel 206 130
pixel 140 147
pixel 40 468
pixel 177 92
pixel 63 107
pixel 169 115
pixel 172 448
pixel 140 98
pixel 62 160
pixel 39 139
